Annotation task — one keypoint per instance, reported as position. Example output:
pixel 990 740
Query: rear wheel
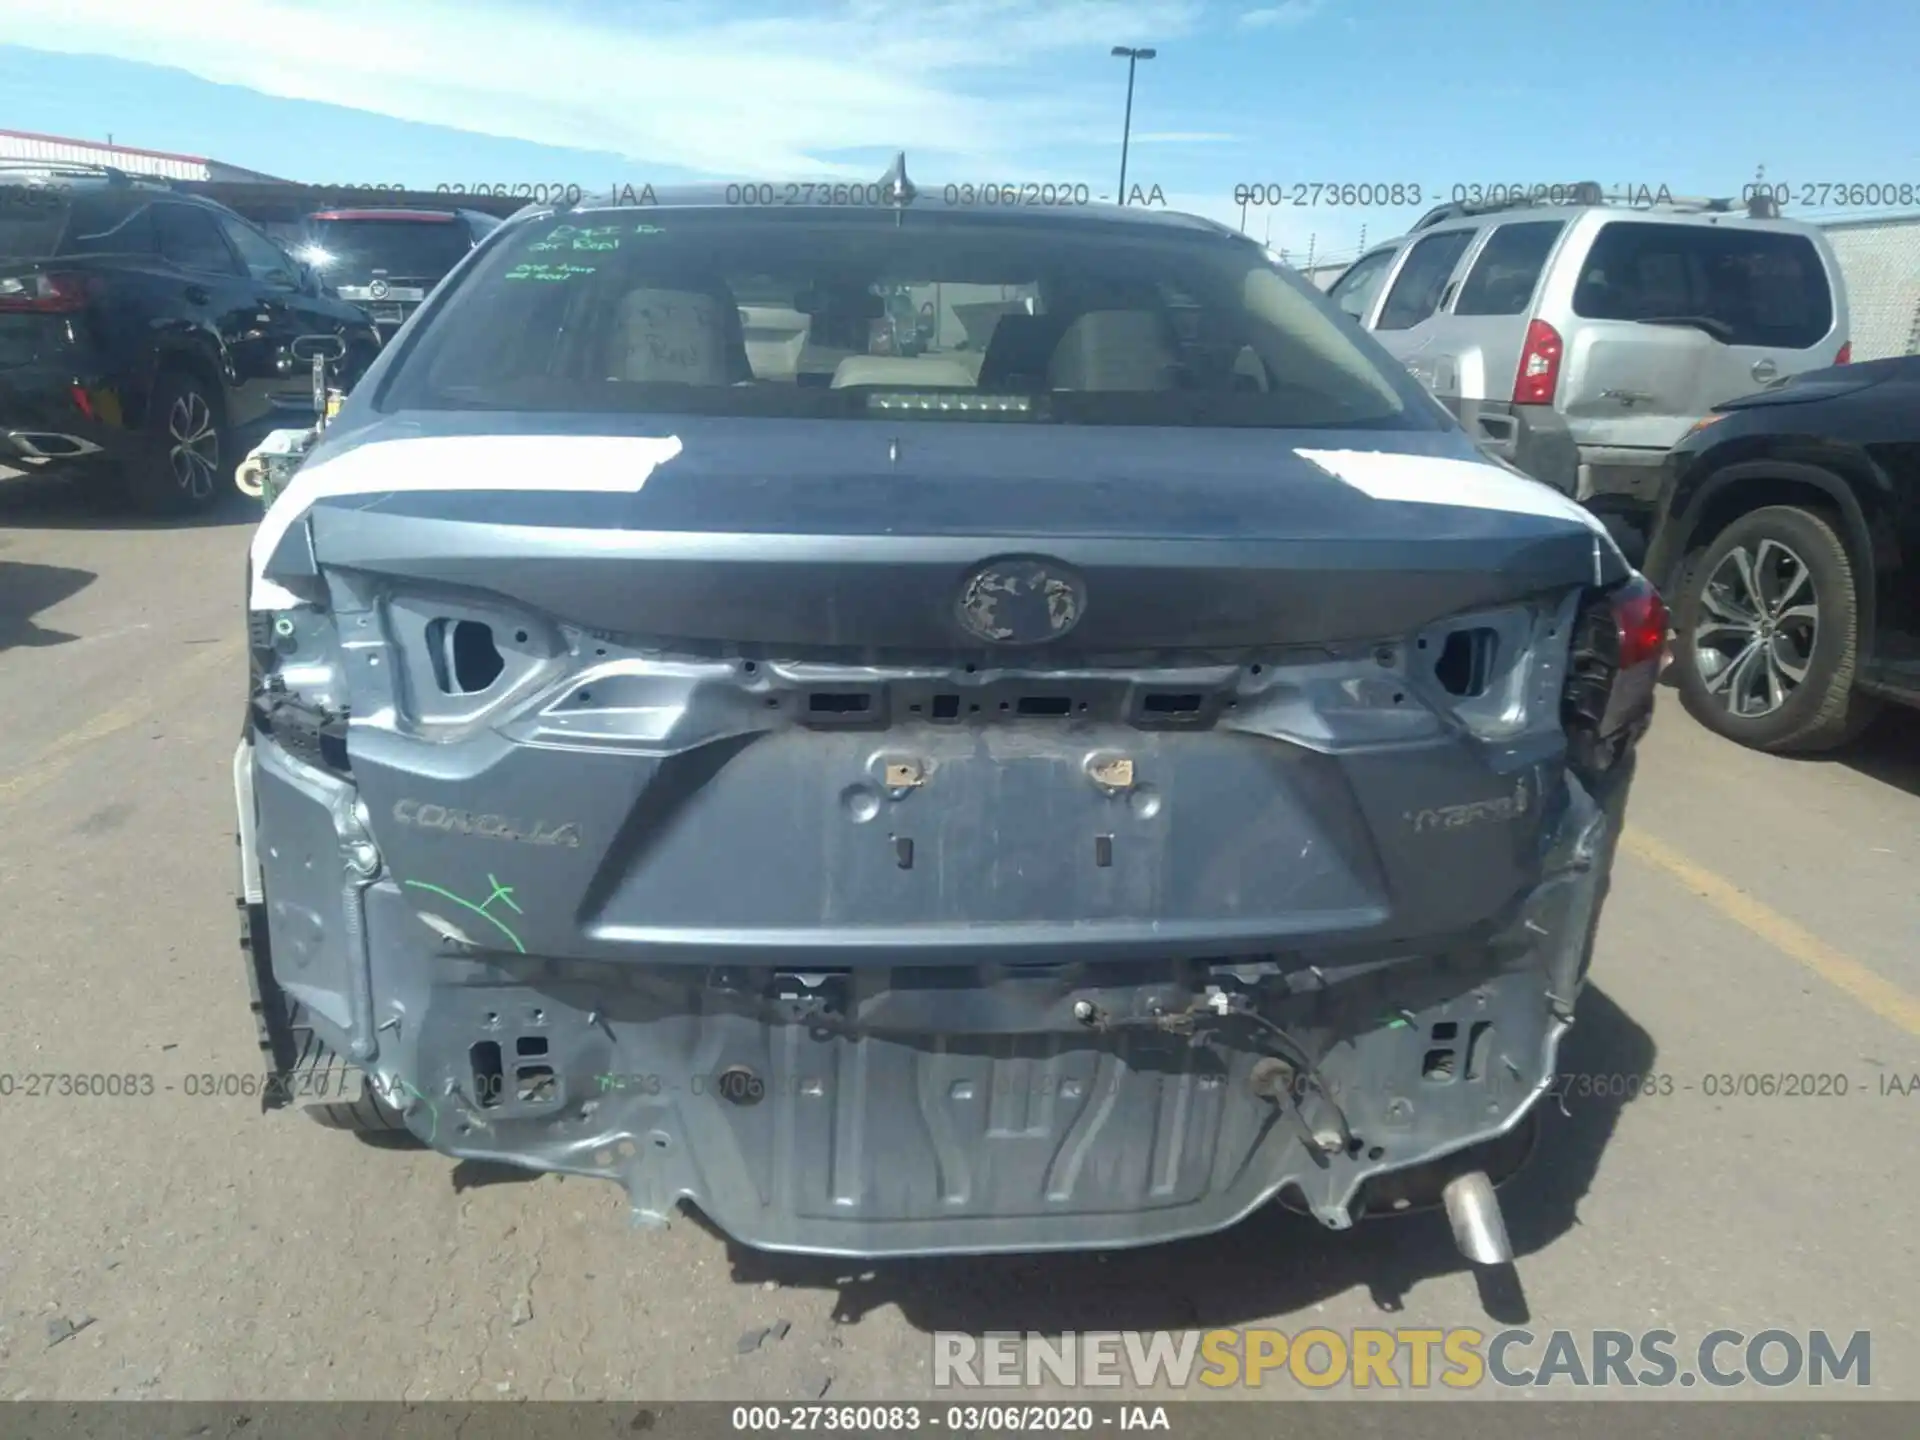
pixel 180 466
pixel 1767 634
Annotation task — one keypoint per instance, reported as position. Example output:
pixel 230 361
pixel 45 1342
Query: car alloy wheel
pixel 194 444
pixel 1759 623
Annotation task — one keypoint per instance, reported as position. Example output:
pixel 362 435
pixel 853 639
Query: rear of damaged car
pixel 1126 760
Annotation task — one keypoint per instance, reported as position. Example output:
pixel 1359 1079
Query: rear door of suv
pixel 1665 318
pixel 214 293
pixel 1485 329
pixel 1419 289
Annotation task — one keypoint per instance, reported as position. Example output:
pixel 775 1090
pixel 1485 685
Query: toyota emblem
pixel 1021 601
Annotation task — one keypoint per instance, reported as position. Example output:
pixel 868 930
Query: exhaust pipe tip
pixel 50 445
pixel 1479 1229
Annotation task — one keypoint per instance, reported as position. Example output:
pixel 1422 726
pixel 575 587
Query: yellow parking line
pixel 1836 967
pixel 53 761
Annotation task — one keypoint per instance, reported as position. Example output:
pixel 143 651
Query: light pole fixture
pixel 1134 57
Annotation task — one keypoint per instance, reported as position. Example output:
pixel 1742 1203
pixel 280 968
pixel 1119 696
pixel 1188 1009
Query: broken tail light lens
pixel 1640 616
pixel 1618 643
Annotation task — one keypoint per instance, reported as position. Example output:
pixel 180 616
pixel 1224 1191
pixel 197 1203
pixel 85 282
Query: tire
pixel 321 1071
pixel 1774 594
pixel 182 464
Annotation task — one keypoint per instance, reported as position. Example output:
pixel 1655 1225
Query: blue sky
pixel 1333 91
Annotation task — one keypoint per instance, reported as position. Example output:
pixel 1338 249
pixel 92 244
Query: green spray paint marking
pixel 500 892
pixel 547 272
pixel 433 1110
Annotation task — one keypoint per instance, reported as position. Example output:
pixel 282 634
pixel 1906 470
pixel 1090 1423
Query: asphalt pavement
pixel 1765 921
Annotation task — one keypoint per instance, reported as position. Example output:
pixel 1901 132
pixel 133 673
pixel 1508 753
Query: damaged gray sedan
pixel 916 729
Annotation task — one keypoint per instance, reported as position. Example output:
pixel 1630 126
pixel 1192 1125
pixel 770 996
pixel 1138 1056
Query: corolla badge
pixel 1021 601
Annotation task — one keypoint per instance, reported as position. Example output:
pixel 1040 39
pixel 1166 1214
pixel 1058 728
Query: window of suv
pixel 264 260
pixel 1507 269
pixel 639 310
pixel 1353 292
pixel 1421 285
pixel 106 224
pixel 32 219
pixel 190 238
pixel 414 247
pixel 1741 285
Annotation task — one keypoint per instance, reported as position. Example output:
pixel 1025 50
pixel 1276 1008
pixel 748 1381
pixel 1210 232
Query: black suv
pixel 387 260
pixel 141 328
pixel 1789 536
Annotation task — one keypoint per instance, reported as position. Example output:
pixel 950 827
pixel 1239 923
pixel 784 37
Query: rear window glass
pixel 853 315
pixel 102 227
pixel 1507 269
pixel 32 220
pixel 349 250
pixel 1742 286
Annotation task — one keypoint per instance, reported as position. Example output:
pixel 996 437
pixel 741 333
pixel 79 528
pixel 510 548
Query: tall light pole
pixel 1134 57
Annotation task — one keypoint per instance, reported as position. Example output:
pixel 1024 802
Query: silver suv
pixel 1581 341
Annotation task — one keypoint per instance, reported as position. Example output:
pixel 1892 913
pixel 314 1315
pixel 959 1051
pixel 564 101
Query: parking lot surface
pixel 1765 921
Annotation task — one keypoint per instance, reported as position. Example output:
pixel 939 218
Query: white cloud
pixel 1287 12
pixel 699 87
pixel 1183 137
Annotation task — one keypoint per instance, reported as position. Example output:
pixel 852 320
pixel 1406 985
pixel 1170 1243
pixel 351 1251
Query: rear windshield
pixel 1742 286
pixel 402 249
pixel 862 313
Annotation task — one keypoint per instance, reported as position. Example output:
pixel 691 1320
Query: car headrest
pixel 1019 350
pixel 679 336
pixel 1115 350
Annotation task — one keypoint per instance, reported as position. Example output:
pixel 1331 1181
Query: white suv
pixel 1581 341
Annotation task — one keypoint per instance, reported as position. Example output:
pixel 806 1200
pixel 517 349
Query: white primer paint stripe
pixel 1430 480
pixel 602 463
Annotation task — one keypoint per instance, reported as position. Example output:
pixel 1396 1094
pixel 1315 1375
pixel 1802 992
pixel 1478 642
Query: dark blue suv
pixel 141 328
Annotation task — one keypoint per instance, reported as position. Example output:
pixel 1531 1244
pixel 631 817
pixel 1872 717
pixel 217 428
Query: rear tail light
pixel 1845 357
pixel 1640 617
pixel 46 292
pixel 1539 372
pixel 1618 644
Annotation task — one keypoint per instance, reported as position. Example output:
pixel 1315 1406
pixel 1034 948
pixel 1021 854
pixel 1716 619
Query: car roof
pixel 1697 213
pixel 103 178
pixel 404 214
